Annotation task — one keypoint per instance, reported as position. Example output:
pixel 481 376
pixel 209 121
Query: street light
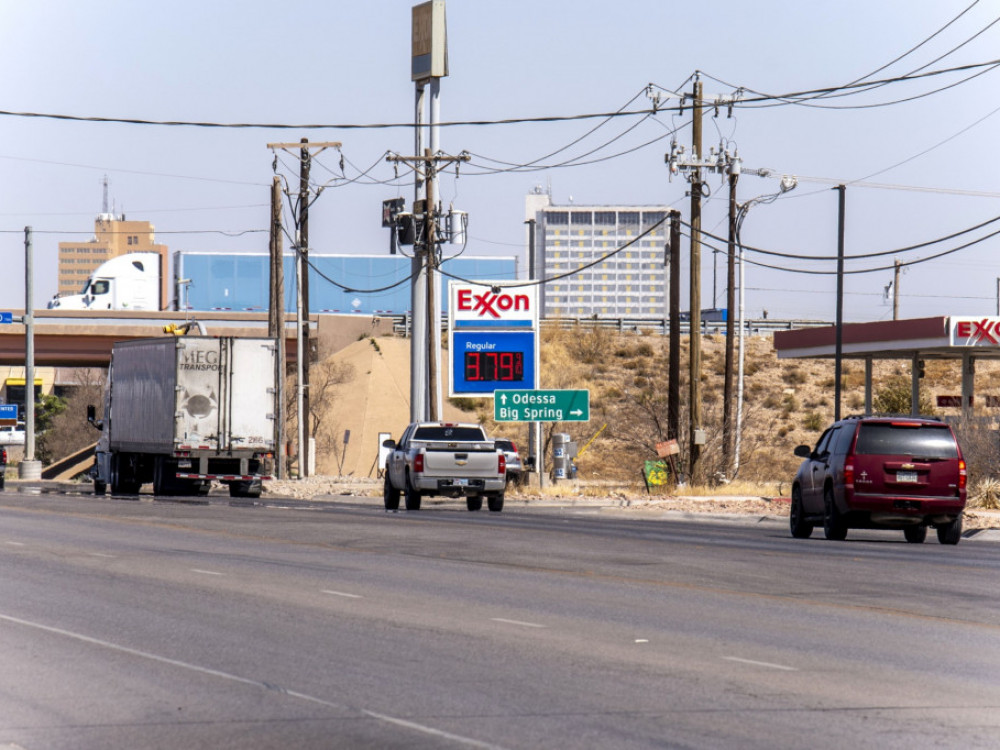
pixel 788 182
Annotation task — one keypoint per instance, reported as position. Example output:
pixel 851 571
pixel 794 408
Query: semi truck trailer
pixel 182 412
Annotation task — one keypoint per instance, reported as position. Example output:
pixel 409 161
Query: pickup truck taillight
pixel 501 463
pixel 418 463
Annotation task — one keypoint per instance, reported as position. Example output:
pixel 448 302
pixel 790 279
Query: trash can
pixel 560 456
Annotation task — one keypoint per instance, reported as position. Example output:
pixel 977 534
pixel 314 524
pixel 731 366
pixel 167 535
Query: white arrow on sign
pixel 503 398
pixel 577 412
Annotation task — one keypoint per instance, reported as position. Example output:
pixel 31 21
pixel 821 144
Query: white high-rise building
pixel 571 248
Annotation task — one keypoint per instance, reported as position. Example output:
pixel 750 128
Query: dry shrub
pixel 985 494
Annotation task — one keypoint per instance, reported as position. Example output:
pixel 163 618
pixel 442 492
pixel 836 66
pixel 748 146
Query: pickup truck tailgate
pixel 473 461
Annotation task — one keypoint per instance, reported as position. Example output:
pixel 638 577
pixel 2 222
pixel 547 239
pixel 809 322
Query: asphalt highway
pixel 160 624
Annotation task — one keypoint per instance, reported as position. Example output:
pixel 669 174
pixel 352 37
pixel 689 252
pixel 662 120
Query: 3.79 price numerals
pixel 494 366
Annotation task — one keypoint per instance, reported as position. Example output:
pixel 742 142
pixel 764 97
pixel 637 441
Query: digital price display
pixel 506 367
pixel 483 361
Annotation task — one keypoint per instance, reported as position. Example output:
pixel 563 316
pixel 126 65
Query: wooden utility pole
pixel 276 325
pixel 305 149
pixel 694 375
pixel 674 365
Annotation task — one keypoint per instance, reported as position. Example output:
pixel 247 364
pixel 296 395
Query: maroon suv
pixel 881 472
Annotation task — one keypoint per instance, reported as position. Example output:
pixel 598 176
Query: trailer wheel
pixel 164 481
pixel 251 488
pixel 123 479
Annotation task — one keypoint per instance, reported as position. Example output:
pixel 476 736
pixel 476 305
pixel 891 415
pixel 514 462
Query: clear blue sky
pixel 348 63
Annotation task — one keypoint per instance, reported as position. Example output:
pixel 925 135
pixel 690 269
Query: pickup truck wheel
pixel 495 502
pixel 915 534
pixel 100 488
pixel 390 494
pixel 950 533
pixel 412 496
pixel 474 502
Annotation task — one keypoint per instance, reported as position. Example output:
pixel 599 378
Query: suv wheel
pixel 834 526
pixel 800 529
pixel 950 533
pixel 915 534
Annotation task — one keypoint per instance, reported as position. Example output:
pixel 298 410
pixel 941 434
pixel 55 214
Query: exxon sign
pixel 489 304
pixel 980 332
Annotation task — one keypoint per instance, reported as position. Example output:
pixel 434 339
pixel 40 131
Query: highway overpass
pixel 84 339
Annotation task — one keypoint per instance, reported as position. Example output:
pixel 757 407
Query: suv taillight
pixel 962 478
pixel 418 463
pixel 501 463
pixel 849 472
pixel 513 446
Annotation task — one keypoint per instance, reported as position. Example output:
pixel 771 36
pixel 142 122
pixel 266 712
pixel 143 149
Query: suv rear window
pixel 451 434
pixel 908 439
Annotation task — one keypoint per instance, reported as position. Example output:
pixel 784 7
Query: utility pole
pixel 674 364
pixel 29 468
pixel 276 325
pixel 895 290
pixel 694 359
pixel 838 364
pixel 303 346
pixel 305 166
pixel 727 391
pixel 427 166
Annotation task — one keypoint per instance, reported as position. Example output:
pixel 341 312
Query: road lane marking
pixel 101 554
pixel 341 593
pixel 767 664
pixel 517 622
pixel 206 572
pixel 15 544
pixel 433 732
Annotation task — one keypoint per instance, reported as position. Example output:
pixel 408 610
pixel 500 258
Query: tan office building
pixel 113 236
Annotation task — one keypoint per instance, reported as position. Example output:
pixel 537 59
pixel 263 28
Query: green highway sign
pixel 541 406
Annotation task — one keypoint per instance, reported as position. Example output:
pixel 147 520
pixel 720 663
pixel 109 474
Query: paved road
pixel 148 624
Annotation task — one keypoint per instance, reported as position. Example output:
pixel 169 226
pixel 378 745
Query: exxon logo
pixel 983 332
pixel 488 304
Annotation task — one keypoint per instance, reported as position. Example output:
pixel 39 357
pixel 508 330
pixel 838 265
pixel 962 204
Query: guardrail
pixel 658 326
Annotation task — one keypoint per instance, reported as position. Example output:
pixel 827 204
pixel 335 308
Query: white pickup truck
pixel 444 458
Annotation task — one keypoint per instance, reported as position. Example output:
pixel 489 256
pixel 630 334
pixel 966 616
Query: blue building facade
pixel 363 284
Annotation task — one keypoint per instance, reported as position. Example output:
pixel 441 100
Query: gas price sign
pixel 482 361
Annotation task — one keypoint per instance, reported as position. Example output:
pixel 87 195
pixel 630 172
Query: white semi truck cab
pixel 128 282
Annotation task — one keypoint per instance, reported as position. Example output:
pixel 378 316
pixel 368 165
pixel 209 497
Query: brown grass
pixel 785 404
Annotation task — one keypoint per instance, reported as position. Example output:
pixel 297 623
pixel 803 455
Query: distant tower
pixel 104 182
